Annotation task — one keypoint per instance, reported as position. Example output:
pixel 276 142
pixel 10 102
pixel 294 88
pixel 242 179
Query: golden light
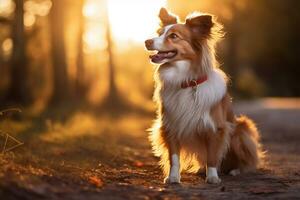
pixel 34 9
pixel 44 8
pixel 38 8
pixel 93 39
pixel 130 20
pixel 6 7
pixel 91 9
pixel 134 20
pixel 7 46
pixel 29 19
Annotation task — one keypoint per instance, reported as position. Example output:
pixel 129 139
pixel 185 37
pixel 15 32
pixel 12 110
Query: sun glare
pixel 91 9
pixel 93 39
pixel 6 7
pixel 134 20
pixel 130 20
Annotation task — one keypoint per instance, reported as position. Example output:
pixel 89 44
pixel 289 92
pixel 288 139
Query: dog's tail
pixel 245 153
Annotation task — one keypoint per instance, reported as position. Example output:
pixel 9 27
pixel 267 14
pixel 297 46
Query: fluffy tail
pixel 245 151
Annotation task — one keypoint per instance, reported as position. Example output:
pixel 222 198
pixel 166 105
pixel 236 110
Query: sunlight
pixel 7 46
pixel 33 9
pixel 91 9
pixel 93 38
pixel 29 19
pixel 38 8
pixel 134 20
pixel 6 7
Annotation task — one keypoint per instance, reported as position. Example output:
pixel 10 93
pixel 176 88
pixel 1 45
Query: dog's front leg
pixel 174 159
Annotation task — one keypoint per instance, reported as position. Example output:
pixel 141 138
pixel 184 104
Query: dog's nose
pixel 149 43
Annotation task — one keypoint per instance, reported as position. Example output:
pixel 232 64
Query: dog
pixel 195 125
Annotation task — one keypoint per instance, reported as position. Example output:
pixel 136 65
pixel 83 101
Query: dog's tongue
pixel 156 58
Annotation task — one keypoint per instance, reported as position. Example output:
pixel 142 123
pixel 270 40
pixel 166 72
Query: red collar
pixel 193 82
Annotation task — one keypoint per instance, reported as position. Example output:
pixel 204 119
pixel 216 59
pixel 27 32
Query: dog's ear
pixel 166 18
pixel 200 24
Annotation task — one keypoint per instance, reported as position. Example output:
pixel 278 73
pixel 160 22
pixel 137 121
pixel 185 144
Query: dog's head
pixel 180 41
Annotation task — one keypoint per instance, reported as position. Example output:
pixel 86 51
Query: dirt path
pixel 99 157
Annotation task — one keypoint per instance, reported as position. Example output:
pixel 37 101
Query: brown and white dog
pixel 195 125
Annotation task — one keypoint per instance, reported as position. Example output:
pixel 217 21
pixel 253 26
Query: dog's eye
pixel 173 36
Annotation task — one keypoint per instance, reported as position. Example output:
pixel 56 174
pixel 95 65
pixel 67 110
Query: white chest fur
pixel 187 111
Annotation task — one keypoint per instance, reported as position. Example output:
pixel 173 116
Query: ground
pixel 90 155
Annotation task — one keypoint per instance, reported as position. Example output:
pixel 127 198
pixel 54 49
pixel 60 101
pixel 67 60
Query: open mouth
pixel 161 55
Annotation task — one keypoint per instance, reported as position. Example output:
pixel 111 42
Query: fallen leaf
pixel 138 164
pixel 96 181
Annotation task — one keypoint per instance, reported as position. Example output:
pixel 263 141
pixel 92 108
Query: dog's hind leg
pixel 214 146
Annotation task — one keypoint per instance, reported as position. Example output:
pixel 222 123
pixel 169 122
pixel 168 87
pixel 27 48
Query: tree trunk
pixel 113 101
pixel 233 27
pixel 18 90
pixel 112 95
pixel 60 76
pixel 81 88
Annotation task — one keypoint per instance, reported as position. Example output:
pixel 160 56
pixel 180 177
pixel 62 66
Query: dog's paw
pixel 172 180
pixel 213 180
pixel 234 172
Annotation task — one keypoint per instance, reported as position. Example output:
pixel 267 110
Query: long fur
pixel 245 151
pixel 191 117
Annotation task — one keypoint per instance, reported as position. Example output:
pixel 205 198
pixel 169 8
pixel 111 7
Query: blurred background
pixel 79 71
pixel 91 51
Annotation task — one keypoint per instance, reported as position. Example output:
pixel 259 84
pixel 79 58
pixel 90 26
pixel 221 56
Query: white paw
pixel 234 172
pixel 212 175
pixel 213 180
pixel 172 179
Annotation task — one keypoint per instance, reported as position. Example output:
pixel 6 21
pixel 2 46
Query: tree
pixel 111 65
pixel 60 76
pixel 81 87
pixel 18 90
pixel 232 36
pixel 113 100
